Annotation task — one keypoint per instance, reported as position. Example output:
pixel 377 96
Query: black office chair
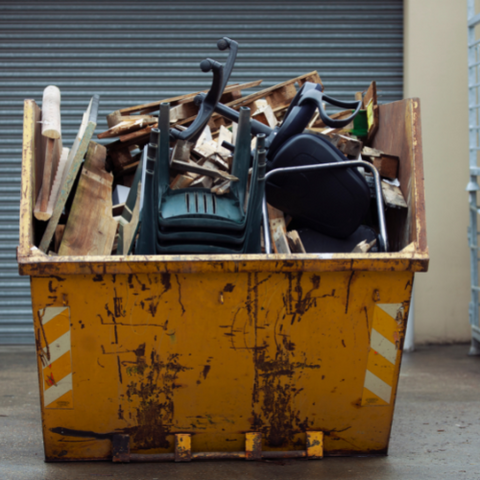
pixel 332 201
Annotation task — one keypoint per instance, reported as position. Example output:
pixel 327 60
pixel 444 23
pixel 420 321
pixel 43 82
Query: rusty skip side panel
pixel 37 264
pixel 218 356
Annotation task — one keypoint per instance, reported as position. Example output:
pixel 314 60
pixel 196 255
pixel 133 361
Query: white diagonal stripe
pixel 378 386
pixel 57 390
pixel 58 347
pixel 51 312
pixel 383 346
pixel 390 308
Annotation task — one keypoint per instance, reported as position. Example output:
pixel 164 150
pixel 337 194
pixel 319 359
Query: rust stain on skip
pixel 152 382
pixel 276 372
pixel 295 302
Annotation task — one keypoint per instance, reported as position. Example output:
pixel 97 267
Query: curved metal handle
pixel 207 104
pixel 382 236
pixel 223 44
pixel 318 98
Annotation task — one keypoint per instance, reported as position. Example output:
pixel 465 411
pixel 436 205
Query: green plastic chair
pixel 247 241
pixel 197 208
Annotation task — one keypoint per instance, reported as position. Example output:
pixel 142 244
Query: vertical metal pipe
pixel 473 100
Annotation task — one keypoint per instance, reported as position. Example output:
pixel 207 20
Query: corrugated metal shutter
pixel 135 52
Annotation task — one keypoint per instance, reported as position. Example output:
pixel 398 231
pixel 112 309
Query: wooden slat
pixel 53 153
pixel 90 228
pixel 31 131
pixel 248 101
pixel 72 168
pixel 209 172
pixel 190 96
pixel 128 125
pixel 400 134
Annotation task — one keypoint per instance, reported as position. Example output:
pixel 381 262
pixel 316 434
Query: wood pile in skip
pixel 82 188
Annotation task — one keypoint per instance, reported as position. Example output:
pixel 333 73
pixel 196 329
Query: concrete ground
pixel 435 435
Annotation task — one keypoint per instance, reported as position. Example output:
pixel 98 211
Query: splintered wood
pixel 278 230
pixel 84 221
pixel 70 168
pixel 90 228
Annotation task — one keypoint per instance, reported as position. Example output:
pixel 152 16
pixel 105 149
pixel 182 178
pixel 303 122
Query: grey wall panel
pixel 136 52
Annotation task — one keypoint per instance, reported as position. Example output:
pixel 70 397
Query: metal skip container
pixel 225 356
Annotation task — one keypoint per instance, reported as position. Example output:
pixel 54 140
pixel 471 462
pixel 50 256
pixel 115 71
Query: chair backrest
pixel 255 199
pixel 241 156
pixel 209 101
pixel 162 168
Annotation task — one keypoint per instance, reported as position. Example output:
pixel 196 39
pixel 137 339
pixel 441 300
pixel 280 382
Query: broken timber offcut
pixel 225 356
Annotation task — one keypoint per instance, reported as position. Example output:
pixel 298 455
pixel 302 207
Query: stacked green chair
pixel 195 220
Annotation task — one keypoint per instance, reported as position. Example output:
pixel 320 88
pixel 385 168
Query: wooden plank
pixel 30 171
pixel 114 118
pixel 364 246
pixel 182 181
pixel 183 111
pixel 128 126
pixel 336 116
pixel 138 141
pixel 90 228
pixel 294 242
pixel 138 135
pixel 206 149
pixel 53 153
pixel 224 135
pixel 175 100
pixel 193 168
pixel 387 166
pixel 219 161
pixel 400 134
pixel 249 100
pixel 128 170
pixel 57 239
pixel 202 181
pixel 371 152
pixel 282 97
pixel 182 150
pixel 121 158
pixel 370 95
pixel 266 116
pixel 72 168
pixel 347 145
pixel 244 101
pixel 222 188
pixel 278 230
pixel 57 181
pixel 393 196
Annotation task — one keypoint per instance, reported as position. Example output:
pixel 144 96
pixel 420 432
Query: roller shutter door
pixel 136 52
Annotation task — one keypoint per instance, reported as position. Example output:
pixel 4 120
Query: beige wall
pixel 436 72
